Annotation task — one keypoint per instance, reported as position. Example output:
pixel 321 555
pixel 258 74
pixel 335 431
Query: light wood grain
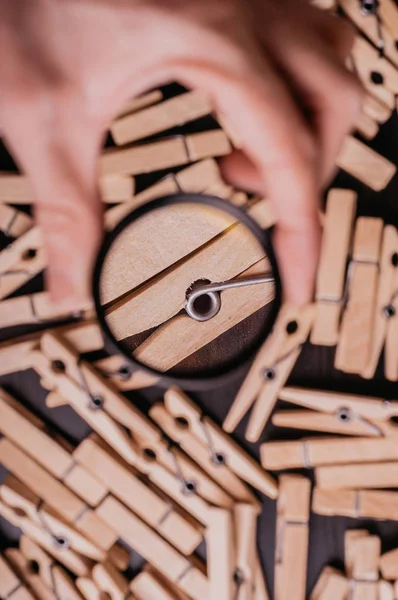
pixel 365 164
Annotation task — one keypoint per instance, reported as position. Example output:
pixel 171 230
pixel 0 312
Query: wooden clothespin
pixel 362 564
pixel 371 24
pixel 333 412
pixel 291 553
pixel 248 574
pixel 389 15
pixel 13 222
pixel 16 189
pixel 21 261
pixel 119 556
pixel 29 433
pixel 366 126
pixel 270 370
pixel 110 414
pixel 358 476
pixel 331 585
pixel 55 494
pixel 174 566
pixel 88 589
pixel 357 504
pixel 28 575
pixel 53 575
pixel 165 296
pixel 141 102
pixel 162 116
pixel 330 287
pixel 208 445
pixel 385 309
pixel 35 308
pixel 158 512
pixel 389 565
pixel 199 177
pixel 11 587
pixel 375 110
pixel 182 336
pixel 386 591
pixel 220 545
pixel 315 452
pixel 378 75
pixel 28 505
pixel 108 579
pixel 171 152
pixel 357 327
pixel 148 584
pixel 365 164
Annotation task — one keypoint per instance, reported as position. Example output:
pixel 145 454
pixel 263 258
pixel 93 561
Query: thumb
pixel 63 174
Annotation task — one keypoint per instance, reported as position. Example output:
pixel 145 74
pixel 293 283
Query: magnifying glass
pixel 186 288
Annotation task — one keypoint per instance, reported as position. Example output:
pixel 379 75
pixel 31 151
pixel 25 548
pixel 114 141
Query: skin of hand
pixel 275 68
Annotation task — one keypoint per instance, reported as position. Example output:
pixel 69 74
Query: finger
pixel 329 91
pixel 335 31
pixel 276 139
pixel 61 165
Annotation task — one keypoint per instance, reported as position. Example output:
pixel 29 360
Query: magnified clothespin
pixel 270 370
pixel 208 445
pixel 333 412
pixel 292 530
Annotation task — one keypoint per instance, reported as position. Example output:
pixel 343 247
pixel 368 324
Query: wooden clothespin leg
pixel 270 370
pixel 340 212
pixel 384 324
pixel 245 518
pixel 291 555
pixel 357 326
pixel 220 544
pixel 362 559
pixel 11 586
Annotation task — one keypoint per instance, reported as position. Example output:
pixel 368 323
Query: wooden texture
pixel 365 164
pixel 164 154
pixel 332 451
pixel 220 545
pixel 293 510
pixel 182 336
pixel 388 279
pixel 170 113
pixel 141 102
pixel 240 462
pixel 14 222
pixel 279 353
pixel 340 212
pixel 364 504
pixel 389 565
pixel 143 501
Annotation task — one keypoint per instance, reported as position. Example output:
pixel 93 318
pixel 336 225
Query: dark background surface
pixel 314 369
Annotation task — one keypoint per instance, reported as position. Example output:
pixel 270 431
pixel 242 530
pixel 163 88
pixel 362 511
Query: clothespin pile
pixel 127 481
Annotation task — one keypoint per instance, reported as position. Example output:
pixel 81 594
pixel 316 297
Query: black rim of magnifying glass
pixel 218 376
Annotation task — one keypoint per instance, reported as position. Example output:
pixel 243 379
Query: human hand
pixel 69 67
